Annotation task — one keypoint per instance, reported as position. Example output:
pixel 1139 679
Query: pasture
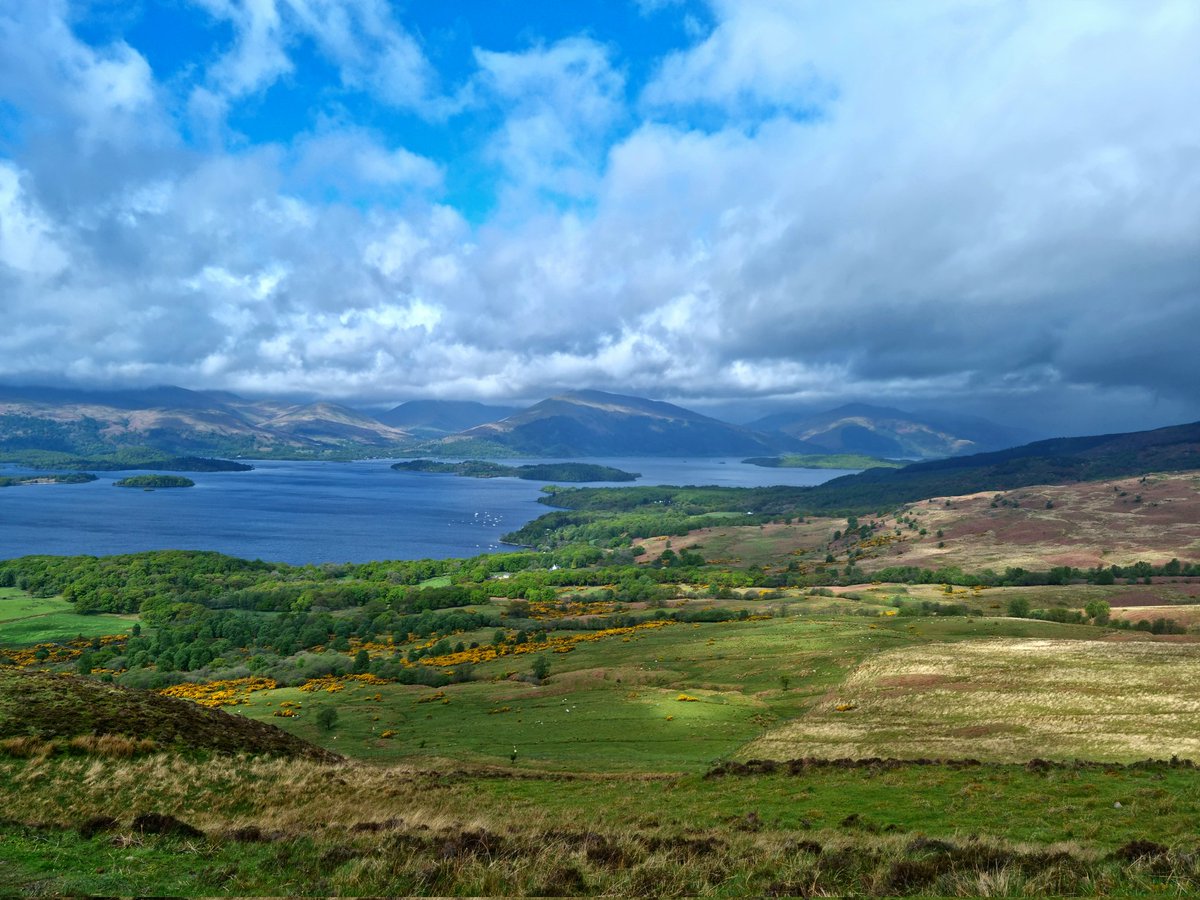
pixel 26 620
pixel 1007 700
pixel 614 705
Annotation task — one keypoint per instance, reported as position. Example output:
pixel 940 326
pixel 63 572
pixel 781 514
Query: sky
pixel 738 205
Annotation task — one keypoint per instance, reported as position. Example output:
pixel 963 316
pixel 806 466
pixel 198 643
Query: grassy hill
pixel 1055 461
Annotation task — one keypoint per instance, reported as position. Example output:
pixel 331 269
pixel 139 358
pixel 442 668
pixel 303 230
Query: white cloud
pixel 560 102
pixel 370 50
pixel 27 242
pixel 257 58
pixel 351 157
pixel 104 95
pixel 992 200
pixel 762 51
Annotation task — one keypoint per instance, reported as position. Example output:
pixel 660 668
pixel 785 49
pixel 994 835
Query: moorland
pixel 975 679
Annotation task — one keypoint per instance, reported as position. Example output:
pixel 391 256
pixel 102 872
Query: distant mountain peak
pixel 887 431
pixel 598 423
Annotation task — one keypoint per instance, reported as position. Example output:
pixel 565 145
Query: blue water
pixel 313 512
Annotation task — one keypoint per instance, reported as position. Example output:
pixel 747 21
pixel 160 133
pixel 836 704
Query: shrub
pixel 1018 608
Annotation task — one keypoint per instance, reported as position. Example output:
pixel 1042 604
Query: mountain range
pixel 594 423
pixel 437 418
pixel 891 433
pixel 177 421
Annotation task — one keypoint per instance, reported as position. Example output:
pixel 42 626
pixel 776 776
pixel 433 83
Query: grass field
pixel 26 620
pixel 759 545
pixel 1007 700
pixel 614 705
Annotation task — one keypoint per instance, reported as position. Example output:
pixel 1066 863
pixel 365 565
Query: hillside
pixel 594 423
pixel 1054 461
pixel 176 421
pixel 587 513
pixel 53 707
pixel 884 431
pixel 435 418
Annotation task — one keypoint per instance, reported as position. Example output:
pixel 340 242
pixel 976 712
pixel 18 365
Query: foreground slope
pixel 53 707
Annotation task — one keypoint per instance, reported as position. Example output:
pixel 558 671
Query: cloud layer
pixel 986 205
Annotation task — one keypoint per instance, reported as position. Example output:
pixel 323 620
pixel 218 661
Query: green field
pixel 613 705
pixel 26 620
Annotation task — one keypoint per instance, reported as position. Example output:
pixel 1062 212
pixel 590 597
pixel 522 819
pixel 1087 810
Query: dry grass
pixel 1185 615
pixel 284 827
pixel 1099 523
pixel 1007 701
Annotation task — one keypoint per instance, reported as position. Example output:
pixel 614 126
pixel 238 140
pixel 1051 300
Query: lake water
pixel 312 512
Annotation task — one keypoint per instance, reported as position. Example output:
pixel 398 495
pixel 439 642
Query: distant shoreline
pixel 549 472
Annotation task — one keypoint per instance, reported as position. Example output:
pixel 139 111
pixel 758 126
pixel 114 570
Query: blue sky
pixel 180 40
pixel 974 205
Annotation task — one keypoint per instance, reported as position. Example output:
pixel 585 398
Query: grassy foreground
pixel 237 826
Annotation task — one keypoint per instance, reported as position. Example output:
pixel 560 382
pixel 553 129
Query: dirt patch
pixel 1137 598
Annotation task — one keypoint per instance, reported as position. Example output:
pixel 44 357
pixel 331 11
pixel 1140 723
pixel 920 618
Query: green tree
pixel 1018 607
pixel 362 661
pixel 1098 610
pixel 541 667
pixel 327 718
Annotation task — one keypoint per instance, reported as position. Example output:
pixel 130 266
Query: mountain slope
pixel 440 417
pixel 884 431
pixel 1054 461
pixel 594 423
pixel 179 421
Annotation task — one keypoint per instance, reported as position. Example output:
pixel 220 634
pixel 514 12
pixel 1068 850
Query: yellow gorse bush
pixel 563 644
pixel 334 683
pixel 564 609
pixel 220 693
pixel 60 652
